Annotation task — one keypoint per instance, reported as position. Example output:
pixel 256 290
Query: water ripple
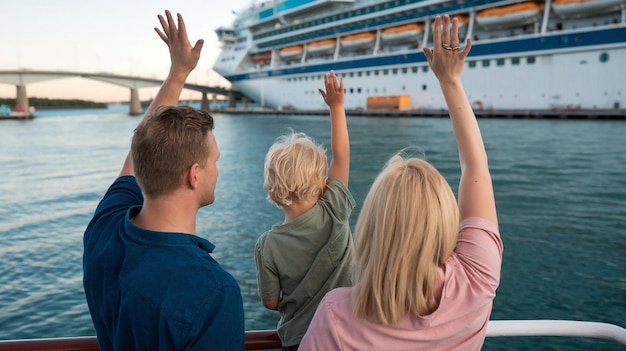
pixel 560 191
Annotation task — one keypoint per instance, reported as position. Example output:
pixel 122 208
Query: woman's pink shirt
pixel 470 279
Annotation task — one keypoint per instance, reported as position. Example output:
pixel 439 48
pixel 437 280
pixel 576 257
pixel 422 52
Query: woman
pixel 427 265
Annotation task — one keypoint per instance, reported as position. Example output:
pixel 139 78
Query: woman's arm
pixel 446 59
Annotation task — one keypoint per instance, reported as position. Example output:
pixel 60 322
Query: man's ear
pixel 191 177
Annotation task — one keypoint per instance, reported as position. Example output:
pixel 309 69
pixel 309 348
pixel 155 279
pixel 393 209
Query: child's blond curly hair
pixel 295 168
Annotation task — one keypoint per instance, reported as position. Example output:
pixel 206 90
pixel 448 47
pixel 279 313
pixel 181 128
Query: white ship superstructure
pixel 552 54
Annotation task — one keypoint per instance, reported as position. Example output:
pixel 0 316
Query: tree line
pixel 50 104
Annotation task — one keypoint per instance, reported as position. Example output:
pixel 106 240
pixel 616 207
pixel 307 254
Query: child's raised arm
pixel 340 142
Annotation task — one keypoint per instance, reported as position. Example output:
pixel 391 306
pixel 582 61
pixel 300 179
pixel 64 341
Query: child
pixel 312 251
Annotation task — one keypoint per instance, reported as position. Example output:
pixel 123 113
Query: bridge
pixel 20 78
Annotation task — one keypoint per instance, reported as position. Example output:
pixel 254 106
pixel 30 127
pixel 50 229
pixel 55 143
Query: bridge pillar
pixel 21 102
pixel 135 104
pixel 204 103
pixel 232 100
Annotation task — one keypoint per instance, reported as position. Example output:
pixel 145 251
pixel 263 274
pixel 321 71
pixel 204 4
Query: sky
pixel 113 36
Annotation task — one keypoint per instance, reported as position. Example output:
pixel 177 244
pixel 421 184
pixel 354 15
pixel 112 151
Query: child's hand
pixel 334 94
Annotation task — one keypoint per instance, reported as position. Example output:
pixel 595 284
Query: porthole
pixel 604 57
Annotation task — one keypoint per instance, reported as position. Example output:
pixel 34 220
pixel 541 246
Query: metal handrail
pixel 268 339
pixel 552 327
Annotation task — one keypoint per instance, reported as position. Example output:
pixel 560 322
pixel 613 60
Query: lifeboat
pixel 462 20
pixel 321 46
pixel 359 40
pixel 290 52
pixel 509 16
pixel 406 32
pixel 584 8
pixel 262 57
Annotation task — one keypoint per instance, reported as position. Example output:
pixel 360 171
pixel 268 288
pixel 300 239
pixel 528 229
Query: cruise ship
pixel 544 54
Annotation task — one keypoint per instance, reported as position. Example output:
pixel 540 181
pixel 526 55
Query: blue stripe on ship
pixel 529 45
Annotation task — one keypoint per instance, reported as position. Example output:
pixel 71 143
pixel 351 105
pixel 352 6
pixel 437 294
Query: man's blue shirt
pixel 151 290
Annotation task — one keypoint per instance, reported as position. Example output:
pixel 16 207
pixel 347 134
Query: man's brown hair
pixel 167 144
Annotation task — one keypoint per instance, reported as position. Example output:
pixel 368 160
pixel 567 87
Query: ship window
pixel 486 63
pixel 306 78
pixel 359 74
pixel 385 72
pixel 375 72
pixel 425 69
pixel 500 62
pixel 367 73
pixel 351 74
pixel 515 61
pixel 530 60
pixel 394 71
pixel 351 90
pixel 604 57
pixel 471 64
pixel 404 70
pixel 415 69
pixel 424 87
pixel 358 90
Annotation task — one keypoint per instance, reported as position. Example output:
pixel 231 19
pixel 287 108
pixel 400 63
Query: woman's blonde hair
pixel 406 230
pixel 295 168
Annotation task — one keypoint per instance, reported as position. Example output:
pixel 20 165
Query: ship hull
pixel 569 68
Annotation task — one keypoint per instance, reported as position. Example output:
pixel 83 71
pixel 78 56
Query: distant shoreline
pixel 56 104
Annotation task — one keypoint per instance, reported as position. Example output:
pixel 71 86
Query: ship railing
pixel 268 339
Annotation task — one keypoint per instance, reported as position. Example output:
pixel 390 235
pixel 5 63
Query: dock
pixel 566 114
pixel 16 115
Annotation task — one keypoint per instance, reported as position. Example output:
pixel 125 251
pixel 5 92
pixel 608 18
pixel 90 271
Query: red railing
pixel 255 340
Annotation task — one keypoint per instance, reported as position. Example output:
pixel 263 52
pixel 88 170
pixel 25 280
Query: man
pixel 150 282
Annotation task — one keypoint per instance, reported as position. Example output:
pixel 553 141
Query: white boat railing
pixel 550 327
pixel 269 340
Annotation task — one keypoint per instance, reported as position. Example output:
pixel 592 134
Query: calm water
pixel 560 189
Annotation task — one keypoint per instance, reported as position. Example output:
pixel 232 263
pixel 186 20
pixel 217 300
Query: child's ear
pixel 324 187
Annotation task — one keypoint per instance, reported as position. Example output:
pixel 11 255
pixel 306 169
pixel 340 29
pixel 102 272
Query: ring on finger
pixel 447 46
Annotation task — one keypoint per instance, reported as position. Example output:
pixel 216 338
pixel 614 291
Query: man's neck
pixel 167 214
